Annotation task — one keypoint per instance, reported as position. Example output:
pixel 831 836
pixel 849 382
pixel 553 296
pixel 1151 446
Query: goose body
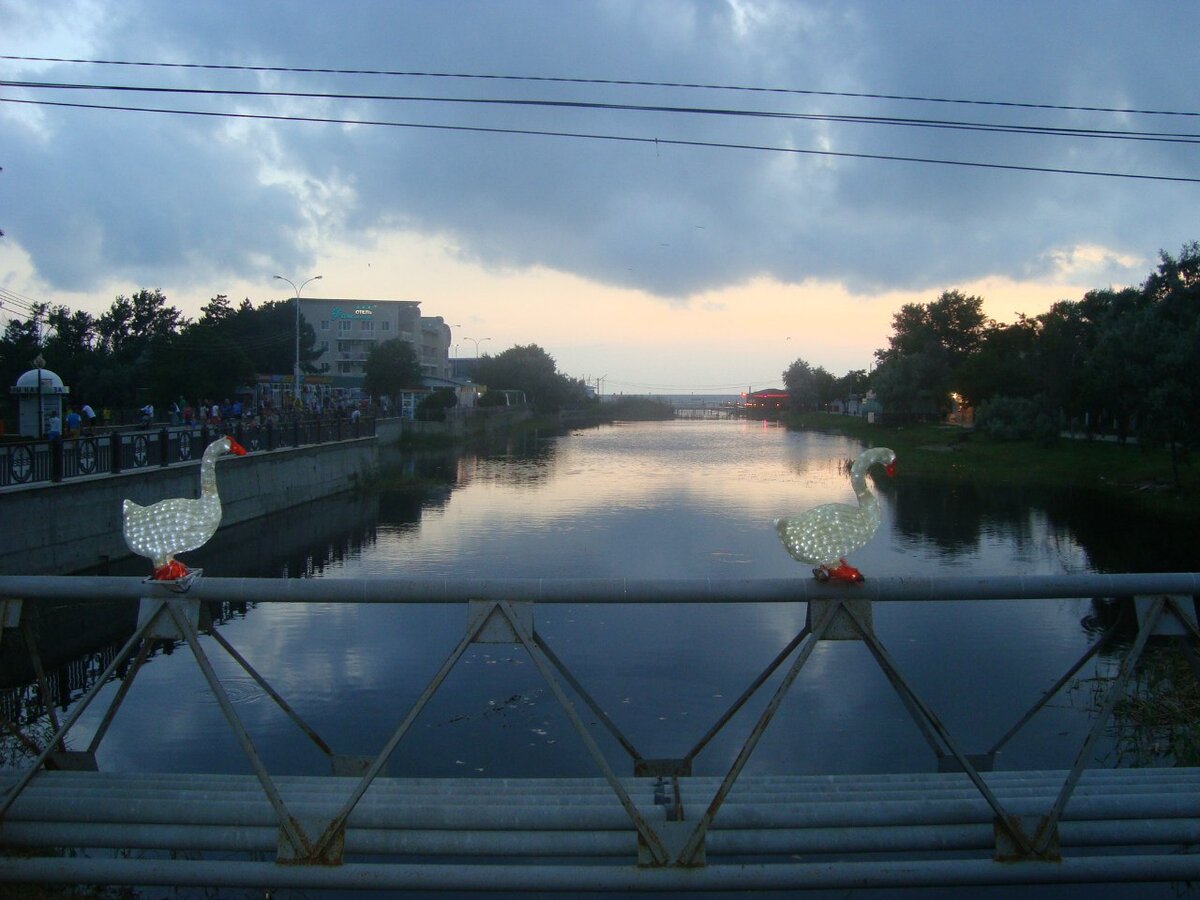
pixel 178 524
pixel 825 535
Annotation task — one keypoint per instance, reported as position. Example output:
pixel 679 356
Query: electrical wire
pixel 656 141
pixel 992 127
pixel 606 81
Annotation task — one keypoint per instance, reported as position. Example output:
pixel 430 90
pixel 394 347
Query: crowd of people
pixel 218 414
pixel 81 419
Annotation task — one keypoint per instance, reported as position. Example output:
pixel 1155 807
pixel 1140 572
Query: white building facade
pixel 347 330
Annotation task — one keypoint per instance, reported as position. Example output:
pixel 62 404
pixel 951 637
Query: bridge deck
pixel 777 831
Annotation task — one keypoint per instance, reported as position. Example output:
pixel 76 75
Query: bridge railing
pixel 654 825
pixel 61 459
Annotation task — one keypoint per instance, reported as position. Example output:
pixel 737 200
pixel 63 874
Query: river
pixel 681 499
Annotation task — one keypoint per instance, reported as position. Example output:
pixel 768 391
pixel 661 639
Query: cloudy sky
pixel 679 195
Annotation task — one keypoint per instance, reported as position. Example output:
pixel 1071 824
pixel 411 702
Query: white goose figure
pixel 825 535
pixel 178 524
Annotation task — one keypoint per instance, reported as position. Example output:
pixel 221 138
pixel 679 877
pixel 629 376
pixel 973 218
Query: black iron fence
pixel 61 459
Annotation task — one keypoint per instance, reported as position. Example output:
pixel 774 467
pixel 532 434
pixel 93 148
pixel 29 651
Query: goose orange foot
pixel 841 572
pixel 172 571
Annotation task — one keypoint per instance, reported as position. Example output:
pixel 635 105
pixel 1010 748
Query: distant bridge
pixel 699 409
pixel 653 826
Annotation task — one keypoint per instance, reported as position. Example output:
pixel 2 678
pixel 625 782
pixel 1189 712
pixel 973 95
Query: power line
pixel 723 145
pixel 609 81
pixel 1060 131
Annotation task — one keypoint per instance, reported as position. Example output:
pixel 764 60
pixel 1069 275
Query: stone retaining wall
pixel 55 529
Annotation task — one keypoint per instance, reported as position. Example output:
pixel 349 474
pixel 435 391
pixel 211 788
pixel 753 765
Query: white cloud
pixel 190 204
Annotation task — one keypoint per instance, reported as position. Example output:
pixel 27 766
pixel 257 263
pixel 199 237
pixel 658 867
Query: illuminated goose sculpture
pixel 825 535
pixel 178 524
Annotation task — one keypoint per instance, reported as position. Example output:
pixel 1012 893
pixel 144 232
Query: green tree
pixel 1002 365
pixel 391 366
pixel 530 369
pixel 929 345
pixel 809 387
pixel 127 337
pixel 1163 335
pixel 855 382
pixel 913 385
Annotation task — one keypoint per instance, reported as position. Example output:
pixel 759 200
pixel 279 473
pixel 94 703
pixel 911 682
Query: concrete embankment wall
pixel 62 528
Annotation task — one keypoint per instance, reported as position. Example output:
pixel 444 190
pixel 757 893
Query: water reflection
pixel 662 500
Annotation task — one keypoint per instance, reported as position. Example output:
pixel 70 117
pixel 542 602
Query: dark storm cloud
pixel 96 193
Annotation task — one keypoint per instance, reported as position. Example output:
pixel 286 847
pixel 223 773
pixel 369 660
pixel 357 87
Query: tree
pixel 391 366
pixel 1003 364
pixel 532 370
pixel 1162 339
pixel 217 310
pixel 807 387
pixel 913 385
pixel 855 382
pixel 927 349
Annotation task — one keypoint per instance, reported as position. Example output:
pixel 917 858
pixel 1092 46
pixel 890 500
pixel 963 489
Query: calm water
pixel 662 500
pixel 677 499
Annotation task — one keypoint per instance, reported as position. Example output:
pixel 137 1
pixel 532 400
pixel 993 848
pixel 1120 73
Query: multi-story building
pixel 348 329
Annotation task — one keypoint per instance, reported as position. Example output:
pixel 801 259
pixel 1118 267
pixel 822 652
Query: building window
pixel 386 326
pixel 343 368
pixel 344 325
pixel 324 324
pixel 324 346
pixel 366 326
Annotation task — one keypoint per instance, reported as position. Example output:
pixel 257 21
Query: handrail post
pixel 56 459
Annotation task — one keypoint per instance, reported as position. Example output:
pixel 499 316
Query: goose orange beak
pixel 236 448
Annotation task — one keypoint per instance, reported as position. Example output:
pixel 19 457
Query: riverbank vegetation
pixel 1118 363
pixel 1137 474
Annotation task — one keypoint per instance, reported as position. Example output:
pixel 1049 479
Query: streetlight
pixel 39 363
pixel 296 372
pixel 477 343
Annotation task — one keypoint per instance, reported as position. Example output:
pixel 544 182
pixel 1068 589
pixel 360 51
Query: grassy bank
pixel 1138 476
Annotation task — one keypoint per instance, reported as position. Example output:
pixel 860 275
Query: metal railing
pixel 62 459
pixel 656 826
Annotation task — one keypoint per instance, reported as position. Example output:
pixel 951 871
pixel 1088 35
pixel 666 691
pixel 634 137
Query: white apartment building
pixel 347 329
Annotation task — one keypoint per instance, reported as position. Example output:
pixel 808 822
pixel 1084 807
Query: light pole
pixel 40 363
pixel 477 343
pixel 297 290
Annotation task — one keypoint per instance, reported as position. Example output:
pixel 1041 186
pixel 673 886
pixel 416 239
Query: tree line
pixel 1119 361
pixel 142 349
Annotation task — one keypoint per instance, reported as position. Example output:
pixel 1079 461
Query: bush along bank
pixel 951 452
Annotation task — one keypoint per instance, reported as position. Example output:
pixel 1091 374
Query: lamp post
pixel 477 343
pixel 297 290
pixel 40 363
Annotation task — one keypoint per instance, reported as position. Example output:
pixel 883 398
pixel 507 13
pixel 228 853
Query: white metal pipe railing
pixel 210 808
pixel 438 589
